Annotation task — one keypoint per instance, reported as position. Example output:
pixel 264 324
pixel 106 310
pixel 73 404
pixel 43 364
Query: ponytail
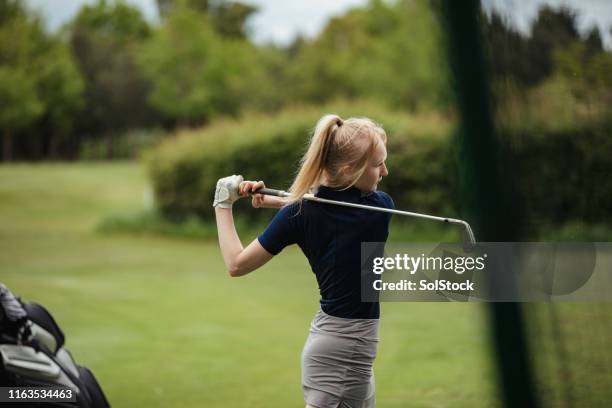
pixel 338 153
pixel 313 162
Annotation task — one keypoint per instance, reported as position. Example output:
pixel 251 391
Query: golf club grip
pixel 271 192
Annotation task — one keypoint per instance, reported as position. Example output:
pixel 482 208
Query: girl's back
pixel 331 238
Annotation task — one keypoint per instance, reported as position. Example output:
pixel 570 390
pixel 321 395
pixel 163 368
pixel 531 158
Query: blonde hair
pixel 338 153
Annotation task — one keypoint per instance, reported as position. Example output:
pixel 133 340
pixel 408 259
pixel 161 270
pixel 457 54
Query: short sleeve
pixel 387 200
pixel 282 231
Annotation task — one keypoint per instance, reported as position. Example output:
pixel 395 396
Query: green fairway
pixel 161 324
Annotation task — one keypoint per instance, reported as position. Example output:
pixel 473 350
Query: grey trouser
pixel 337 362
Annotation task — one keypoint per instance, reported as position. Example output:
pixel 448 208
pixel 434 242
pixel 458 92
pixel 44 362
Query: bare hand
pixel 247 187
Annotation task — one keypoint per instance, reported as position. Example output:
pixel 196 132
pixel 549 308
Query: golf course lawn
pixel 161 324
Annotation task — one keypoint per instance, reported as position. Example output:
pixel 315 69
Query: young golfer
pixel 345 161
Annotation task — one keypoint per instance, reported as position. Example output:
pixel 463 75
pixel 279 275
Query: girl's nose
pixel 384 172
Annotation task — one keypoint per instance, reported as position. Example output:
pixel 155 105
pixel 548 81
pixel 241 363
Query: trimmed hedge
pixel 185 168
pixel 561 176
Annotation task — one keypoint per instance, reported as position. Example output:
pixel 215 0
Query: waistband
pixel 355 328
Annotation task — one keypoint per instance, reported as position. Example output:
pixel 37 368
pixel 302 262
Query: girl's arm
pixel 238 260
pixel 266 201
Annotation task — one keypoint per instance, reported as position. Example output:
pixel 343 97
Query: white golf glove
pixel 227 191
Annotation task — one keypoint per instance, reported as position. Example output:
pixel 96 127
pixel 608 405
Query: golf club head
pixel 467 238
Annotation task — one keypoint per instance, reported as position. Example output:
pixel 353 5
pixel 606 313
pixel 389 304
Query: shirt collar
pixel 351 193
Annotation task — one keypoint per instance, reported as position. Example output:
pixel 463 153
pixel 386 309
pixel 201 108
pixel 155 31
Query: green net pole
pixel 484 188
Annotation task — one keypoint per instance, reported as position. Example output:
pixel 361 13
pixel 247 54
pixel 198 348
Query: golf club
pixel 468 230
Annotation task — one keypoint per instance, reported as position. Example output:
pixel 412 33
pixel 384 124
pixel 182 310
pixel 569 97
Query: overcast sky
pixel 277 20
pixel 281 20
pixel 590 13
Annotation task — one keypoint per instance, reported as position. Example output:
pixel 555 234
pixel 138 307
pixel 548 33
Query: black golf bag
pixel 32 354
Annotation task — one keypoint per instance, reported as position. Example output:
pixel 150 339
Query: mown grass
pixel 162 325
pixel 151 222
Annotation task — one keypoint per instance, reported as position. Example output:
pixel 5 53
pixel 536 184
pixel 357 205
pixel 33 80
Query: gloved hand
pixel 227 191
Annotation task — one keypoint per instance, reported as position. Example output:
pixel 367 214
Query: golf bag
pixel 32 354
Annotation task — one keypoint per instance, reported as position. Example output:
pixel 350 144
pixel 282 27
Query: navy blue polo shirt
pixel 330 236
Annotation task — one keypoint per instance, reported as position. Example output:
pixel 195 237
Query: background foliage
pixel 197 99
pixel 110 83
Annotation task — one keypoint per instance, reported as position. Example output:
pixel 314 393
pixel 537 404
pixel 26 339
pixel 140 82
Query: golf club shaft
pixel 311 197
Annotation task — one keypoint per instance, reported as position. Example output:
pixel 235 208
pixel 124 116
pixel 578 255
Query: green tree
pixel 104 38
pixel 195 73
pixel 268 85
pixel 10 9
pixel 228 18
pixel 39 82
pixel 387 50
pixel 552 30
pixel 60 89
pixel 506 50
pixel 552 72
pixel 587 71
pixel 166 7
pixel 20 105
pixel 407 63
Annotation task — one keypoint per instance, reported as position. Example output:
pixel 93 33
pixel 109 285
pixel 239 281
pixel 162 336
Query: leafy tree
pixel 20 105
pixel 407 58
pixel 506 50
pixel 552 30
pixel 166 7
pixel 227 17
pixel 195 73
pixel 390 51
pixel 60 88
pixel 268 87
pixel 10 9
pixel 588 72
pixel 551 72
pixel 528 60
pixel 39 82
pixel 104 38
